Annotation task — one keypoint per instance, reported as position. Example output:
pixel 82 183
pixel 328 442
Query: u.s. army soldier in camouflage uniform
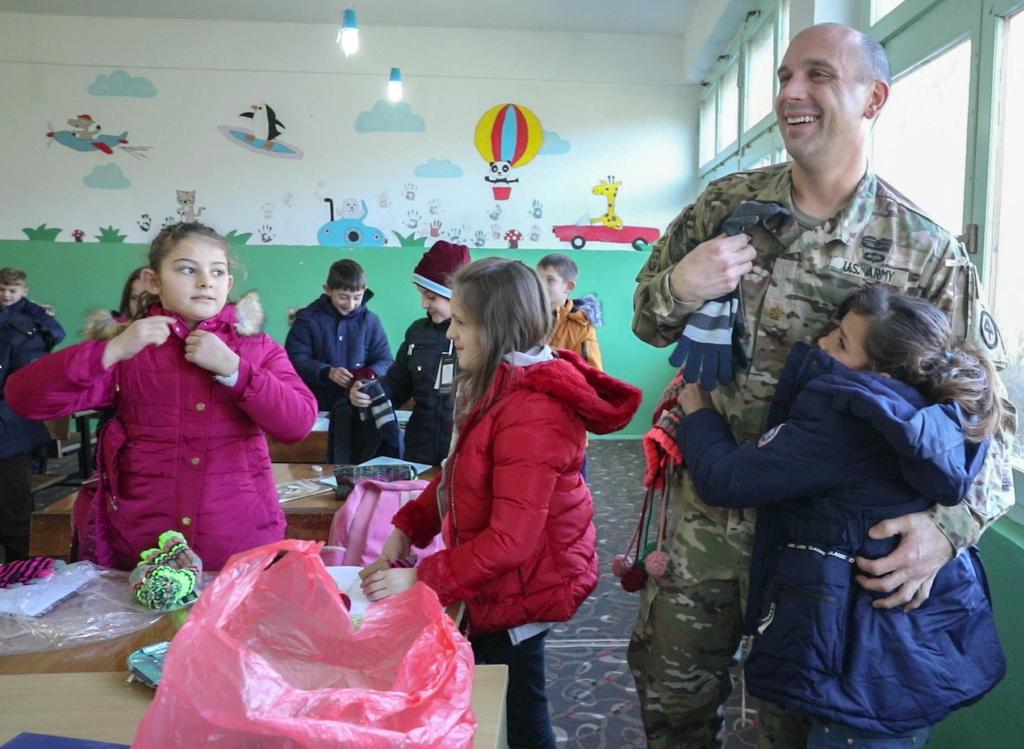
pixel 833 83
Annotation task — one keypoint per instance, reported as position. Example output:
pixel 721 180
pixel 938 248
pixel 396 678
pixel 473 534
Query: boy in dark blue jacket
pixel 21 342
pixel 14 296
pixel 888 417
pixel 336 339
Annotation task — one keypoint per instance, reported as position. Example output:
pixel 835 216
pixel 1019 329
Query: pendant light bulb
pixel 348 34
pixel 395 85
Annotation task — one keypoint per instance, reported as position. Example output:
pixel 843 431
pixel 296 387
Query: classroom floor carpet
pixel 594 704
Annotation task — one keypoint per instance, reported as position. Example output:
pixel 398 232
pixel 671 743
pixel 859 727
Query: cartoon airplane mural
pixel 349 230
pixel 85 136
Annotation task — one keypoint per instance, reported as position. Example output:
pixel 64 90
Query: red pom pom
pixel 346 601
pixel 656 563
pixel 621 564
pixel 634 579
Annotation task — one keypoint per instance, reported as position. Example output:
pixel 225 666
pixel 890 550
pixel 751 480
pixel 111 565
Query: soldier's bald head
pixel 874 62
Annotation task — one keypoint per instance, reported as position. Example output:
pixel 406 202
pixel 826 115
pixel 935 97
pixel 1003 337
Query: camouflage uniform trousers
pixel 688 633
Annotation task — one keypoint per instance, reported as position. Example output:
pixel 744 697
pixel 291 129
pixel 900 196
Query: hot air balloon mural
pixel 507 136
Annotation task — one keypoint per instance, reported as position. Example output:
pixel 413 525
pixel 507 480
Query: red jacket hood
pixel 604 403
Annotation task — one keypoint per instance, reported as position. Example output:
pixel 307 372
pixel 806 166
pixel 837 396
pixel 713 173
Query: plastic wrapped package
pixel 92 629
pixel 269 658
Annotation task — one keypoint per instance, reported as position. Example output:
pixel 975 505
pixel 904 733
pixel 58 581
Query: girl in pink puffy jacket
pixel 194 385
pixel 515 514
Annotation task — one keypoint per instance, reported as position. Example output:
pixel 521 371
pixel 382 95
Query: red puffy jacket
pixel 520 527
pixel 183 452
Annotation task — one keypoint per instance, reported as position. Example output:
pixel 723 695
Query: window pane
pixel 760 74
pixel 728 107
pixel 707 129
pixel 1009 254
pixel 920 143
pixel 880 8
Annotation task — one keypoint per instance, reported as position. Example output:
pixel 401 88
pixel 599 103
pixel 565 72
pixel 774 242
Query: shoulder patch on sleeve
pixel 768 436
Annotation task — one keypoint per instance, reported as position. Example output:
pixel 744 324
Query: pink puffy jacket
pixel 183 451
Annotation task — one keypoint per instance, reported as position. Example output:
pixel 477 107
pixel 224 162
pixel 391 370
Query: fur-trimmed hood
pixel 590 306
pixel 246 316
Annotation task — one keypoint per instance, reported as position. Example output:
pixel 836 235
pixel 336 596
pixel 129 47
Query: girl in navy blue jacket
pixel 887 417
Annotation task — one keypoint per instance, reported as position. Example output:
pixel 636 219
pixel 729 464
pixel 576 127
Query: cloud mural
pixel 121 83
pixel 390 118
pixel 554 145
pixel 107 177
pixel 438 169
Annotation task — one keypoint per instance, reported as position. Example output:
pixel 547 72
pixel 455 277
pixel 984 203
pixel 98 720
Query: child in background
pixel 20 344
pixel 195 385
pixel 517 518
pixel 576 320
pixel 336 339
pixel 887 417
pixel 14 297
pixel 130 295
pixel 426 363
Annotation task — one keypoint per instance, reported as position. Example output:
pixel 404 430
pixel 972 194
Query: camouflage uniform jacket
pixel 798 280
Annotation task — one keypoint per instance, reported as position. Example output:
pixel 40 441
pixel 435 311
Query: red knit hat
pixel 434 270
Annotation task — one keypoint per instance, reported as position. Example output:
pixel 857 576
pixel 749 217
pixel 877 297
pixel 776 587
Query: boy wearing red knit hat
pixel 425 365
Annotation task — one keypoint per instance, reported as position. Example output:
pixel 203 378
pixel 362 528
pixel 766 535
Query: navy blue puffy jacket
pixel 846 450
pixel 21 342
pixel 321 338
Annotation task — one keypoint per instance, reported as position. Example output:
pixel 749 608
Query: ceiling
pixel 661 17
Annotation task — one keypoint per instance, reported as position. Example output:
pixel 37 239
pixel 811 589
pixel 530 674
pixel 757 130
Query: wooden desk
pixel 308 518
pixel 100 707
pixel 311 449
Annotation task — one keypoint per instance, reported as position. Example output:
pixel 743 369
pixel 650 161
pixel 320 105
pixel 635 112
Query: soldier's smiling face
pixel 826 95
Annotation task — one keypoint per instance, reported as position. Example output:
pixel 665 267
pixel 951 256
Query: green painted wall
pixel 77 278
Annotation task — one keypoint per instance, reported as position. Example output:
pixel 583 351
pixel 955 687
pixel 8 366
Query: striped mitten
pixel 706 347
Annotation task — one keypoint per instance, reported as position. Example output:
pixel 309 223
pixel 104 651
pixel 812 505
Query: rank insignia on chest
pixel 861 269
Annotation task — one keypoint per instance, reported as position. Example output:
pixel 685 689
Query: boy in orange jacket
pixel 576 320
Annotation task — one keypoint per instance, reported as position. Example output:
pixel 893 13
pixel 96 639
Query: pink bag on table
pixel 363 524
pixel 268 658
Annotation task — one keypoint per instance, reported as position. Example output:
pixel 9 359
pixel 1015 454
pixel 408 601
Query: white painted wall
pixel 617 99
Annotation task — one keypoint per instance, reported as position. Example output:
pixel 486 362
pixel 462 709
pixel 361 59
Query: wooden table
pixel 101 707
pixel 308 518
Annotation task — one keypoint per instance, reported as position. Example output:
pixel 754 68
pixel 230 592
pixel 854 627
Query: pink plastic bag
pixel 268 658
pixel 363 523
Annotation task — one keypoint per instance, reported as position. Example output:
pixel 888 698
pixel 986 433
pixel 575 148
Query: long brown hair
pixel 912 340
pixel 508 302
pixel 126 293
pixel 162 245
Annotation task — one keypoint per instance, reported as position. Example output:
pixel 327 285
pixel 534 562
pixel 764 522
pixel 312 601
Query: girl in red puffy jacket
pixel 514 512
pixel 194 386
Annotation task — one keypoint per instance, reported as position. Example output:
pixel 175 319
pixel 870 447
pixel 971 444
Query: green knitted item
pixel 166 577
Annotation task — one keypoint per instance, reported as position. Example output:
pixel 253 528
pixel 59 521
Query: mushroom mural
pixel 507 136
pixel 514 237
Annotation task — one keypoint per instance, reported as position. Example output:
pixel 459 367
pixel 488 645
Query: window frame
pixel 776 13
pixel 934 26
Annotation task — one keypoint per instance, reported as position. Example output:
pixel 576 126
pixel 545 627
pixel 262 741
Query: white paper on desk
pixel 347 580
pixel 38 598
pixel 418 467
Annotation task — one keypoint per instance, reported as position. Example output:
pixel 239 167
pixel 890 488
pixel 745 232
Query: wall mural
pixel 349 230
pixel 410 214
pixel 85 136
pixel 121 83
pixel 609 227
pixel 508 136
pixel 262 138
